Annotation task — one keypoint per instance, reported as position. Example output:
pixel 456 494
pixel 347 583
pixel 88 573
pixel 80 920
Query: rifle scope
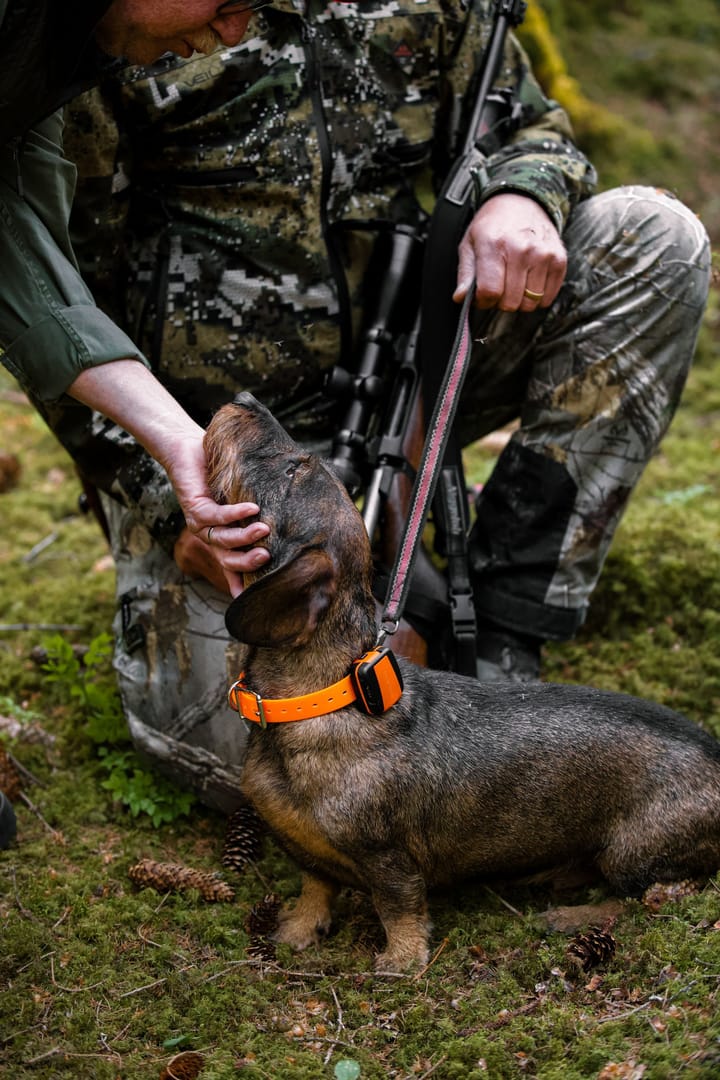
pixel 393 283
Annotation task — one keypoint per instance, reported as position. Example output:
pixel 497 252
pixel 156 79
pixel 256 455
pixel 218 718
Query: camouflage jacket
pixel 240 192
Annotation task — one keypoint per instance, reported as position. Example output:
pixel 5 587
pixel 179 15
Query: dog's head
pixel 318 544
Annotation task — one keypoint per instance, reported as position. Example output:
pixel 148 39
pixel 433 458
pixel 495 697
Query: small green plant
pixel 11 708
pixel 87 681
pixel 141 791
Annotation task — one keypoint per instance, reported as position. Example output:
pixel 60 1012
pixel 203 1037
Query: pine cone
pixel 10 782
pixel 588 950
pixel 243 838
pixel 185 1066
pixel 171 877
pixel 260 924
pixel 263 917
pixel 664 892
pixel 263 950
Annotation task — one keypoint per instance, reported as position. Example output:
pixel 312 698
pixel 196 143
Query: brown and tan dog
pixel 458 778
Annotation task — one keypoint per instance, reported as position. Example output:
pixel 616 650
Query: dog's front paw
pixel 401 959
pixel 309 920
pixel 407 943
pixel 300 928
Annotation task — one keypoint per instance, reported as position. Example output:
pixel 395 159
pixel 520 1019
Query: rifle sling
pixel 450 218
pixel 429 471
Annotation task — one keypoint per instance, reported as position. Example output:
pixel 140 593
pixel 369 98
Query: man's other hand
pixel 515 254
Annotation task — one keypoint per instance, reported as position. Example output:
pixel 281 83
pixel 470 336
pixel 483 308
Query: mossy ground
pixel 101 980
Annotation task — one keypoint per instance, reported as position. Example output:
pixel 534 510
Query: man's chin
pixel 183 49
pixel 142 52
pixel 143 56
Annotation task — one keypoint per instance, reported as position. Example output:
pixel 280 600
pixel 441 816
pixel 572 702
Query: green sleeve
pixel 50 327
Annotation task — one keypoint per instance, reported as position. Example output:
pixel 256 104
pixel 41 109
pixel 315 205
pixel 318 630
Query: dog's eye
pixel 297 463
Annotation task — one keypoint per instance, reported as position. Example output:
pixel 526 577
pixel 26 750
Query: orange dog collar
pixel 375 683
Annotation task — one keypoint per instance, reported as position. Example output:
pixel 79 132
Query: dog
pixel 456 779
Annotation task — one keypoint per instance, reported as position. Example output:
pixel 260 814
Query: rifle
pixel 404 343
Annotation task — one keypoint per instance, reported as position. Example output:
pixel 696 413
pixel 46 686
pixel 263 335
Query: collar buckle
pixel 234 701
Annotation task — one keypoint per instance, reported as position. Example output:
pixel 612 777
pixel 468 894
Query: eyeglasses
pixel 237 7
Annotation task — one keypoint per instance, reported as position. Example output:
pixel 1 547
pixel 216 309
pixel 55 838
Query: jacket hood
pixel 46 56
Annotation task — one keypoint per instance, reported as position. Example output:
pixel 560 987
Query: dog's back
pixel 539 775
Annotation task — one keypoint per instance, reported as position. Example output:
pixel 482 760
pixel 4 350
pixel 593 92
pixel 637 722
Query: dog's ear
pixel 285 606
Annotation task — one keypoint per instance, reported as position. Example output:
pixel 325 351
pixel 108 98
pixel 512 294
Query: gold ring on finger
pixel 211 529
pixel 533 295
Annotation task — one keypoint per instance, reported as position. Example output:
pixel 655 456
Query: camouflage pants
pixel 595 381
pixel 175 662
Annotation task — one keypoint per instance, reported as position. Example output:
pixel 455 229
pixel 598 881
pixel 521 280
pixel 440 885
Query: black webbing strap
pixel 439 315
pixel 429 471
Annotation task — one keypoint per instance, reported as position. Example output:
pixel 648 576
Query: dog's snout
pixel 248 417
pixel 246 400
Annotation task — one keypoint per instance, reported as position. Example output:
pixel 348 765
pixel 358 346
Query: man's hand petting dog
pixel 225 556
